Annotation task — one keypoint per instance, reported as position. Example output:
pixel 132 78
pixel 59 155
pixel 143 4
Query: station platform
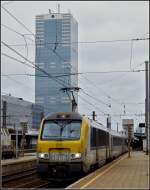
pixel 26 157
pixel 122 173
pixel 22 163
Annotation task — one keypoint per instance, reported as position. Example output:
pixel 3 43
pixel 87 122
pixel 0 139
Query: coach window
pixel 93 137
pixel 107 138
pixel 102 138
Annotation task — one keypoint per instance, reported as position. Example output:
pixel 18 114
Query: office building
pixel 57 54
pixel 16 110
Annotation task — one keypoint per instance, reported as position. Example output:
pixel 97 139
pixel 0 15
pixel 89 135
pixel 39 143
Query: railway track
pixel 10 177
pixel 30 179
pixel 23 179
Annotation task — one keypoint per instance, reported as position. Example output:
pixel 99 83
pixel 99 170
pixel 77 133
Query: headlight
pixel 43 155
pixel 75 155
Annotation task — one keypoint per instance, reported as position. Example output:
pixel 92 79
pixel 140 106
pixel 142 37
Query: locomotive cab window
pixel 61 130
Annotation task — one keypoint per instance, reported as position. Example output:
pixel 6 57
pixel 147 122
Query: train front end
pixel 61 145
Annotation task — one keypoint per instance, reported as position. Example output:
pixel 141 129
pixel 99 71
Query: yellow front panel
pixel 56 146
pixel 67 145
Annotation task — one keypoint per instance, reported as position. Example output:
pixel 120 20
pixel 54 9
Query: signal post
pixel 128 126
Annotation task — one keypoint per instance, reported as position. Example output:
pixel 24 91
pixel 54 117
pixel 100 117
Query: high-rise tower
pixel 57 54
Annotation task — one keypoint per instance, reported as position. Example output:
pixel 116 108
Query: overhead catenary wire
pixel 115 71
pixel 114 100
pixel 34 66
pixel 11 29
pixel 96 99
pixel 122 76
pixel 8 12
pixel 107 95
pixel 15 59
pixel 22 35
pixel 37 67
pixel 91 104
pixel 81 89
pixel 85 42
pixel 60 74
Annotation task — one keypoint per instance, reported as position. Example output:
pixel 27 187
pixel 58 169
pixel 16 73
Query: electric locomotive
pixel 69 143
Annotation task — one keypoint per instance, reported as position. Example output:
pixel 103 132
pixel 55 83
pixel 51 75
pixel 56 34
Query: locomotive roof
pixel 98 125
pixel 119 134
pixel 104 128
pixel 64 115
pixel 77 116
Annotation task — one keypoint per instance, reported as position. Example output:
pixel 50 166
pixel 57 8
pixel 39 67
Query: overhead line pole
pixel 147 105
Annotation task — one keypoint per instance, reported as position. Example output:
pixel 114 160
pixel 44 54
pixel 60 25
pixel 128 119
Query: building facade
pixel 57 54
pixel 16 110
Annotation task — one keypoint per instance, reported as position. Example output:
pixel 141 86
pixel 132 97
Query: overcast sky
pixel 97 21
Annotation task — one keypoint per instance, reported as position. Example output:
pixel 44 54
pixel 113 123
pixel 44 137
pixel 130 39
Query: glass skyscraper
pixel 57 54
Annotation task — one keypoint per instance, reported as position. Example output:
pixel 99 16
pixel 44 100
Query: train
pixel 69 143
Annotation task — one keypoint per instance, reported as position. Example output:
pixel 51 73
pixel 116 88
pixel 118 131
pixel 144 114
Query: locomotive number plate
pixel 59 157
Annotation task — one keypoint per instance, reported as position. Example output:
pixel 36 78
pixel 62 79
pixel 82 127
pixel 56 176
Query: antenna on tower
pixel 58 8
